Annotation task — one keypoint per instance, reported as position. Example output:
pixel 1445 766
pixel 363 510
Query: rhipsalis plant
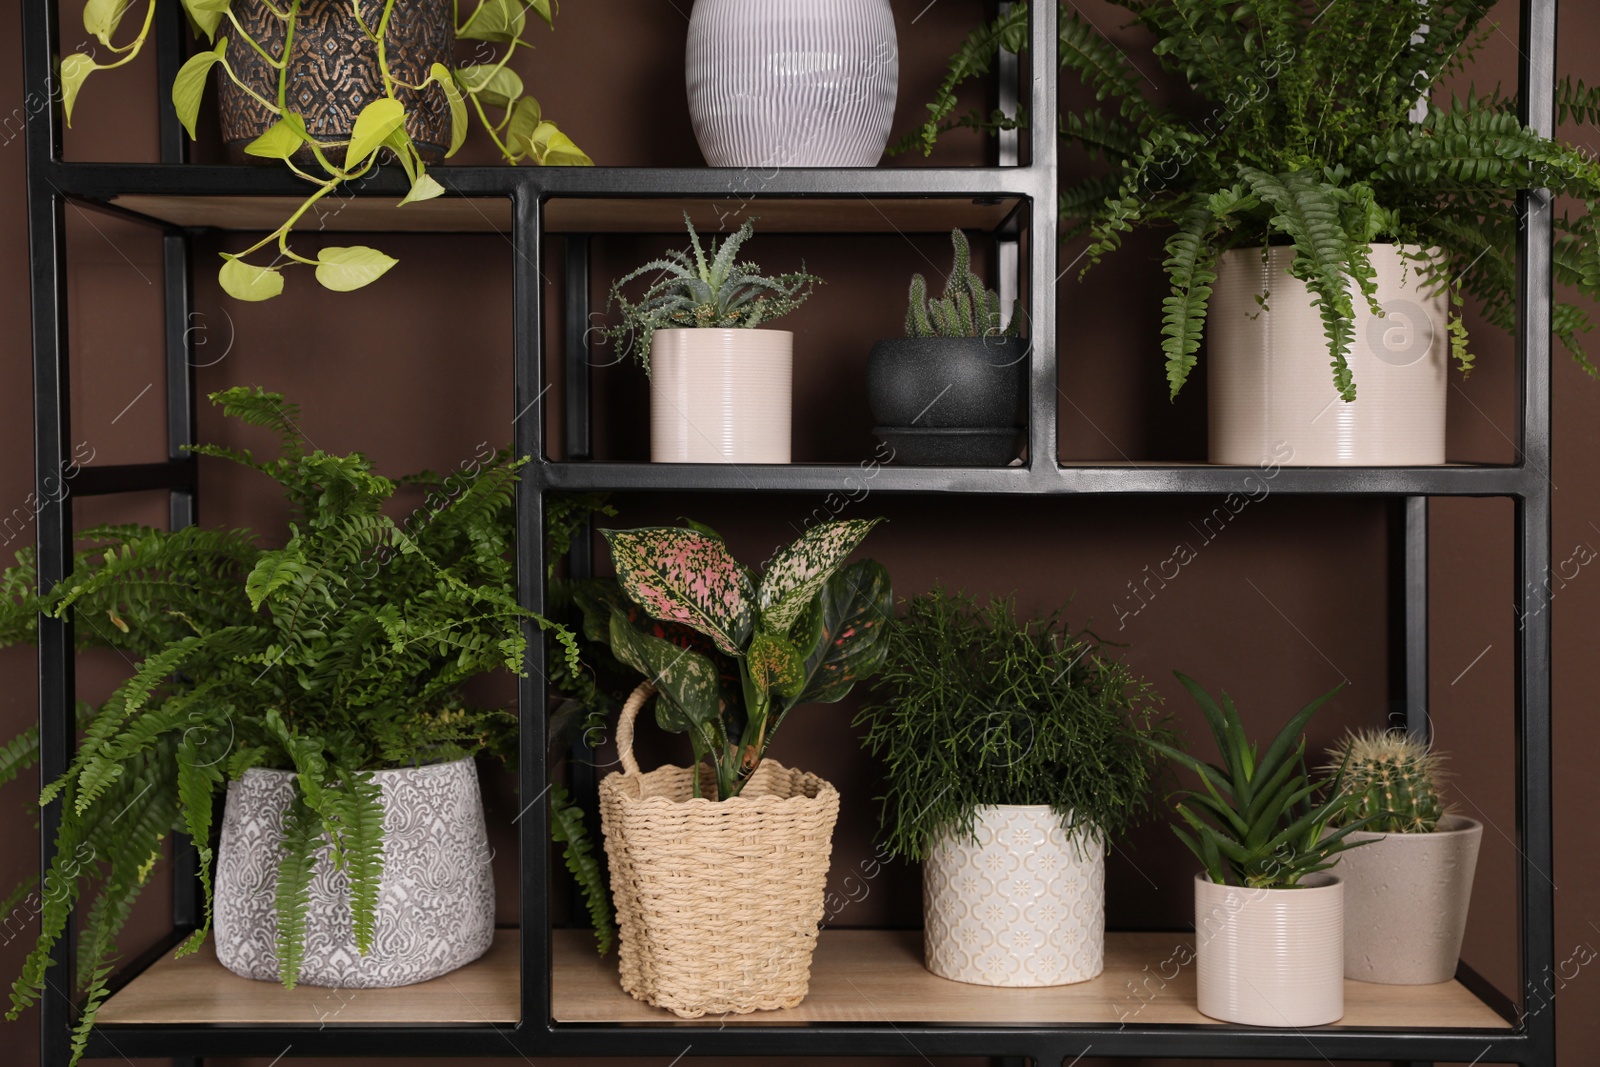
pixel 340 653
pixel 517 127
pixel 1257 820
pixel 731 653
pixel 1319 132
pixel 1391 778
pixel 703 289
pixel 977 707
pixel 967 309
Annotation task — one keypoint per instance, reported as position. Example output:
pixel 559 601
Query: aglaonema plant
pixel 731 653
pixel 1259 820
pixel 519 131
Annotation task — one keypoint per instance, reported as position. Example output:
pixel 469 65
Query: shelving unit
pixel 538 993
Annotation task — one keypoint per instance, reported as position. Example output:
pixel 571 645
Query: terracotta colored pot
pixel 720 396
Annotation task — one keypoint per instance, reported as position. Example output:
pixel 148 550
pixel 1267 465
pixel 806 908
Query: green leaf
pixel 344 269
pixel 189 86
pixel 74 69
pixel 440 74
pixel 776 665
pixel 491 83
pixel 851 620
pixel 549 147
pixel 684 576
pixel 423 188
pixel 243 281
pixel 687 677
pixel 798 573
pixel 525 116
pixel 282 139
pixel 501 21
pixel 373 126
pixel 302 837
pixel 567 828
pixel 207 15
pixel 101 17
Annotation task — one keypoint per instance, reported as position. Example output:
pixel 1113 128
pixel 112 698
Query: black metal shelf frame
pixel 51 182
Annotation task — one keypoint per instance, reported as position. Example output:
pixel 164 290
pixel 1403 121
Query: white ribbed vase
pixel 720 396
pixel 792 83
pixel 1023 905
pixel 435 898
pixel 1270 386
pixel 1270 957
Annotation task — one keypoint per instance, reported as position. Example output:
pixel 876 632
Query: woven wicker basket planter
pixel 717 902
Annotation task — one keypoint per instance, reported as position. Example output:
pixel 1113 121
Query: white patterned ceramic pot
pixel 1270 957
pixel 792 83
pixel 1405 902
pixel 435 900
pixel 1022 905
pixel 720 396
pixel 1270 385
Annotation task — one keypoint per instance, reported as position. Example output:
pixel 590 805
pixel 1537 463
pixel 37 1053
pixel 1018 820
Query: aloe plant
pixel 731 653
pixel 703 289
pixel 1257 820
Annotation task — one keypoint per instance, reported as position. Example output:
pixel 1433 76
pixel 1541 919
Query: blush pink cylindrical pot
pixel 1269 378
pixel 1270 957
pixel 720 396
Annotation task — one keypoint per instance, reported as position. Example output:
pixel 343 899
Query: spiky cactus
pixel 966 309
pixel 1393 776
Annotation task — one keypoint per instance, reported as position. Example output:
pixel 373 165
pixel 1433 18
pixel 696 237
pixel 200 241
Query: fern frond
pixel 567 828
pixel 1190 265
pixel 302 837
pixel 358 848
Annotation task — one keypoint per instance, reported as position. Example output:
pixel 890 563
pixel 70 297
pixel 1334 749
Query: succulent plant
pixel 700 289
pixel 1393 778
pixel 967 309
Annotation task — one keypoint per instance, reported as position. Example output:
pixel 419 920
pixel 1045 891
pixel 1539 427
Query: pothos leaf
pixel 245 281
pixel 798 572
pixel 684 576
pixel 440 74
pixel 188 86
pixel 344 269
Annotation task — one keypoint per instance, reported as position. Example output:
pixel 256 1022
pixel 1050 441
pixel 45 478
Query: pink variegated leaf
pixel 798 573
pixel 684 576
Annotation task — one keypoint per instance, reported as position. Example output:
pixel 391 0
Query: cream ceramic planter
pixel 1024 905
pixel 720 396
pixel 1270 957
pixel 435 898
pixel 1406 898
pixel 1270 386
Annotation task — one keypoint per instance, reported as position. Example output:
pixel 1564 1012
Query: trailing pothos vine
pixel 1319 131
pixel 492 90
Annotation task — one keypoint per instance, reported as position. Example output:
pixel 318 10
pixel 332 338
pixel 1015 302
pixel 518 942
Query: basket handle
pixel 630 711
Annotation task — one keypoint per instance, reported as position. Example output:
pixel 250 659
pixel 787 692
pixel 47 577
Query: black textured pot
pixel 948 382
pixel 333 72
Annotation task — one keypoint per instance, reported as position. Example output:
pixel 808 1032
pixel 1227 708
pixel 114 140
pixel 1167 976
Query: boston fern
pixel 1259 820
pixel 703 289
pixel 1319 132
pixel 976 707
pixel 341 653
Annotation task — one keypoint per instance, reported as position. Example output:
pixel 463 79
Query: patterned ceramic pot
pixel 333 71
pixel 1023 905
pixel 720 396
pixel 1269 384
pixel 792 83
pixel 1270 957
pixel 435 902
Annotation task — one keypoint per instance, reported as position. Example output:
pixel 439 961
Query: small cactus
pixel 1393 776
pixel 966 309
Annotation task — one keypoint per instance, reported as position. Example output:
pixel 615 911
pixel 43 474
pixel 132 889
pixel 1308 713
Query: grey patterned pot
pixel 333 72
pixel 435 902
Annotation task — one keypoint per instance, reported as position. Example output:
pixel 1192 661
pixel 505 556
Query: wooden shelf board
pixel 877 976
pixel 198 990
pixel 577 215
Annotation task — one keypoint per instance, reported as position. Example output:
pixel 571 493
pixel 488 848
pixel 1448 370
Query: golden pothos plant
pixel 492 89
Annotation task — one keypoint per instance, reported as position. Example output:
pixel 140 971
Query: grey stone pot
pixel 1406 899
pixel 436 896
pixel 948 382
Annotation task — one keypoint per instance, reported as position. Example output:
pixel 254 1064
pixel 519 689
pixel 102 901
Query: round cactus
pixel 1393 776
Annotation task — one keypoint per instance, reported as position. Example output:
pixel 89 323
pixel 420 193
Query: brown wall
pixel 1291 598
